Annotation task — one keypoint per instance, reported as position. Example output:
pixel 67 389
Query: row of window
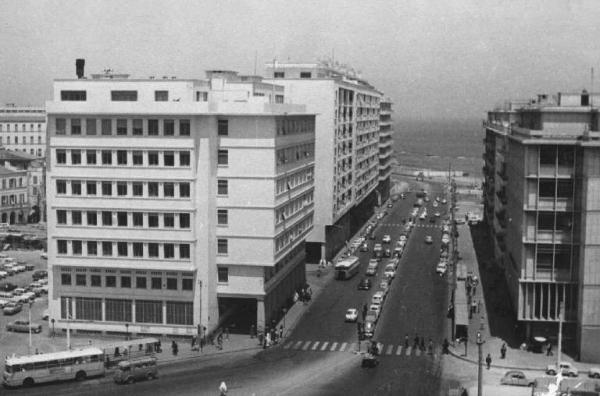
pixel 120 310
pixel 23 127
pixel 293 207
pixel 290 235
pixel 37 152
pixel 122 127
pixel 123 249
pixel 124 188
pixel 12 199
pixel 124 219
pixel 288 126
pixel 125 95
pixel 12 183
pixel 127 281
pixel 295 153
pixel 24 140
pixel 292 180
pixel 123 157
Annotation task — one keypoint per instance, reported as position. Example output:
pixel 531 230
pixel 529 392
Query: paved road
pixel 318 358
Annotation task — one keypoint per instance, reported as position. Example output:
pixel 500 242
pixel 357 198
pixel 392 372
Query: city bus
pixel 55 366
pixel 347 268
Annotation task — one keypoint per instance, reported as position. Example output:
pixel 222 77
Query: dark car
pixel 516 378
pixel 387 253
pixel 364 284
pixel 8 287
pixel 29 267
pixel 39 274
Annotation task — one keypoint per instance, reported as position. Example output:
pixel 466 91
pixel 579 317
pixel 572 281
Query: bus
pixel 55 366
pixel 347 268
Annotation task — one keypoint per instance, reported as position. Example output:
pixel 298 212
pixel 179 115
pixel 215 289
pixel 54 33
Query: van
pixel 130 371
pixel 372 268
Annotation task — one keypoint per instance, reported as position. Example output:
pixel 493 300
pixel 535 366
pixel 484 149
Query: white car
pixel 444 201
pixel 423 216
pixel 3 274
pixel 435 204
pixel 376 308
pixel 386 239
pixel 445 239
pixel 351 315
pixel 390 271
pixel 437 214
pixel 44 255
pixel 441 268
pixel 428 239
pixel 402 238
pixel 566 369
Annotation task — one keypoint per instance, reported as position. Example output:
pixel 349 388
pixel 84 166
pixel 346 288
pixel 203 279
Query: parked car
pixel 130 371
pixel 376 308
pixel 12 308
pixel 44 255
pixel 387 252
pixel 19 268
pixel 378 298
pixel 384 285
pixel 441 268
pixel 351 315
pixel 372 316
pixel 18 291
pixel 390 271
pixel 45 314
pixel 24 326
pixel 39 274
pixel 372 267
pixel 7 287
pixel 517 378
pixel 29 267
pixel 565 368
pixel 428 239
pixel 3 274
pixel 364 247
pixel 386 239
pixel 594 372
pixel 3 303
pixel 364 284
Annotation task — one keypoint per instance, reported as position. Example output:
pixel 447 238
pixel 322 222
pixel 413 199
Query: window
pixel 184 220
pixel 121 127
pixel 92 248
pixel 92 218
pixel 153 189
pixel 140 282
pixel 75 126
pixel 184 158
pixel 169 250
pixel 90 187
pixel 187 284
pixel 88 308
pixel 122 189
pixel 305 75
pixel 106 157
pixel 169 220
pixel 278 74
pixel 184 190
pixel 222 187
pixel 179 313
pixel 201 96
pixel 75 157
pixel 61 246
pixel 123 96
pixel 169 189
pixel 61 187
pixel 222 215
pixel 171 283
pixel 153 158
pixel 73 95
pixel 76 245
pixel 153 250
pixel 65 279
pixel 96 280
pixel 153 220
pixel 169 128
pixel 121 157
pixel 223 274
pixel 107 188
pixel 90 126
pixel 169 158
pixel 76 217
pixel 156 283
pixel 107 249
pixel 138 219
pixel 80 280
pixel 111 281
pixel 125 282
pixel 222 246
pixel 223 157
pixel 184 251
pixel 153 127
pixel 61 216
pixel 148 311
pixel 90 157
pixel 106 125
pixel 138 249
pixel 75 187
pixel 107 218
pixel 61 156
pixel 137 189
pixel 137 157
pixel 138 127
pixel 223 127
pixel 184 127
pixel 161 96
pixel 119 310
pixel 122 219
pixel 122 249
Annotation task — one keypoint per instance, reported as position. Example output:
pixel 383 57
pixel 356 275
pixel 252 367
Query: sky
pixel 435 59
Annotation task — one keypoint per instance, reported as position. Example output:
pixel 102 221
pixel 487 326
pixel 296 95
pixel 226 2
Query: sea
pixel 438 144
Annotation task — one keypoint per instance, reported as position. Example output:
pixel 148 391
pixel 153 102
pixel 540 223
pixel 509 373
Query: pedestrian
pixel 430 347
pixel 416 342
pixel 503 351
pixel 445 345
pixel 227 333
pixel 223 388
pixel 158 347
pixel 296 297
pixel 220 341
pixel 201 344
pixel 268 339
pixel 280 332
pixel 549 350
pixel 193 342
pixel 478 306
pixel 473 306
pixel 174 348
pixel 422 344
pixel 488 361
pixel 253 330
pixel 406 341
pixel 364 312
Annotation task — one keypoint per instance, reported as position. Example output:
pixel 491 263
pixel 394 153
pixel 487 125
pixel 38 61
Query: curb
pixel 170 361
pixel 466 359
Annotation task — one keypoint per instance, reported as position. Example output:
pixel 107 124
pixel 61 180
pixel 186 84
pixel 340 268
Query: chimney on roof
pixel 79 67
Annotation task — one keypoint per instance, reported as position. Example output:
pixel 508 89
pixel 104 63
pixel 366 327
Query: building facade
pixel 542 203
pixel 23 129
pixel 347 170
pixel 175 204
pixel 386 148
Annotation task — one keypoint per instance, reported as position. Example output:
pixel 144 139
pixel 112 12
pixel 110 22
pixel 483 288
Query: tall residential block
pixel 542 203
pixel 175 204
pixel 23 129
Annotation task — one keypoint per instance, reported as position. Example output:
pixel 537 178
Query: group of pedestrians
pixel 419 343
pixel 272 336
pixel 304 294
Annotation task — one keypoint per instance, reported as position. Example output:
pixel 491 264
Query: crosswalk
pixel 352 347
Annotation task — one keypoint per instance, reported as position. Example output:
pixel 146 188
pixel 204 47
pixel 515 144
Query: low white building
pixel 23 129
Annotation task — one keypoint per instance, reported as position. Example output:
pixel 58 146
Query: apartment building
pixel 23 129
pixel 176 204
pixel 347 162
pixel 386 149
pixel 542 203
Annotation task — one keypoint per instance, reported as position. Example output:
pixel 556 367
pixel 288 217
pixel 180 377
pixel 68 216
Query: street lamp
pixel 127 331
pixel 480 363
pixel 52 321
pixel 284 312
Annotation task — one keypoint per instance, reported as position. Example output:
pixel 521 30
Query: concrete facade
pixel 23 129
pixel 542 161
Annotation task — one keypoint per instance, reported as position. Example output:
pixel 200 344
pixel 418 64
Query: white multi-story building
pixel 347 162
pixel 174 203
pixel 23 129
pixel 386 149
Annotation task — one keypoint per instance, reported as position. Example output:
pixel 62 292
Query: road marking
pixel 315 346
pixel 389 350
pixel 324 346
pixel 343 347
pixel 399 350
pixel 306 344
pixel 288 345
pixel 408 350
pixel 297 345
pixel 333 346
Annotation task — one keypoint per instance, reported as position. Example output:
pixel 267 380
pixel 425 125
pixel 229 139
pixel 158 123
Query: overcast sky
pixel 435 59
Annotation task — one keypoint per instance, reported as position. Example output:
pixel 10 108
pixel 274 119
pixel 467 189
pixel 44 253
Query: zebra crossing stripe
pixel 315 346
pixel 297 345
pixel 288 345
pixel 343 347
pixel 333 346
pixel 389 350
pixel 399 350
pixel 408 350
pixel 305 346
pixel 324 346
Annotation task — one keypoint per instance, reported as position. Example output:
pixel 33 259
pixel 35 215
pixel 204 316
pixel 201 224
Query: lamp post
pixel 479 364
pixel 127 331
pixel 284 312
pixel 52 321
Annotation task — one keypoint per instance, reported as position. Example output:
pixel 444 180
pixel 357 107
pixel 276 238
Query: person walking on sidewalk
pixel 503 351
pixel 281 332
pixel 223 389
pixel 488 361
pixel 549 350
pixel 445 346
pixel 174 348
